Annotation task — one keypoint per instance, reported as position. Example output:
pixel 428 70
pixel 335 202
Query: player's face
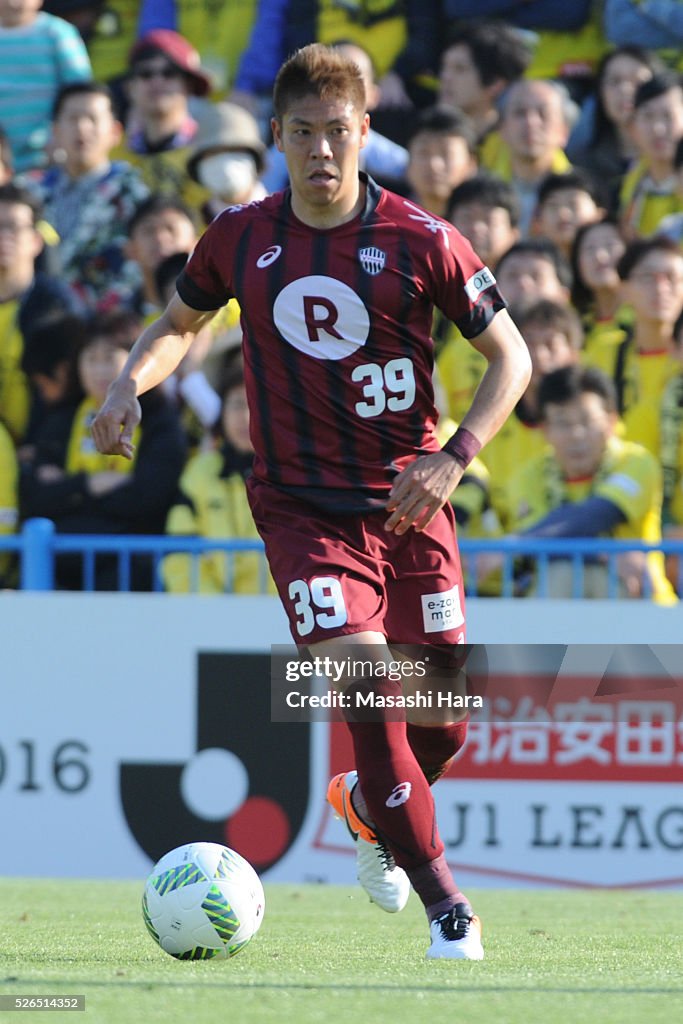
pixel 563 213
pixel 655 287
pixel 161 235
pixel 579 431
pixel 600 250
pixel 321 140
pixel 98 366
pixel 487 228
pixel 236 419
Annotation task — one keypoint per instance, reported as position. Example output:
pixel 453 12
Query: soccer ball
pixel 203 900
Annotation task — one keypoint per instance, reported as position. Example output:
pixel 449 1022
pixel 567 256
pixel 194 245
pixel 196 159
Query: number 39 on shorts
pixel 319 602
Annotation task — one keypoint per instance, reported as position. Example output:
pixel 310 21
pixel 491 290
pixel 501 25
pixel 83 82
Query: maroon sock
pixel 435 746
pixel 394 789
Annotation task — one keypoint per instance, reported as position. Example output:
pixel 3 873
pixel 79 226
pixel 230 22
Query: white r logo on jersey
pixel 321 317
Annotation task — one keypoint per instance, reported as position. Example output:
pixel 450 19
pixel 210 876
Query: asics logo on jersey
pixel 431 223
pixel 269 256
pixel 372 259
pixel 399 794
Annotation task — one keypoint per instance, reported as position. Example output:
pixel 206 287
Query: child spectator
pixel 533 269
pixel 82 491
pixel 160 226
pixel 591 484
pixel 89 199
pixel 565 203
pixel 485 211
pixel 440 157
pixel 213 503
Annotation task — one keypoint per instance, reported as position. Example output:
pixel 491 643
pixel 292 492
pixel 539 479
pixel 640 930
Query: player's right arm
pixel 155 356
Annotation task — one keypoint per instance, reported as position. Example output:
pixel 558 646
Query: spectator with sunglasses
pixel 165 73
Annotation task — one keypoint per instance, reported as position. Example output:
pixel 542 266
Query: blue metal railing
pixel 38 545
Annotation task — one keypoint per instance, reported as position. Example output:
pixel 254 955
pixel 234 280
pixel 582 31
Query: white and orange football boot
pixel 386 884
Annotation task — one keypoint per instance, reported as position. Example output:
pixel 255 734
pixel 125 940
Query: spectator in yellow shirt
pixel 589 483
pixel 642 359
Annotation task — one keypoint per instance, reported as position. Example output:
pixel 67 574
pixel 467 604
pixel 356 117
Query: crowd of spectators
pixel 550 135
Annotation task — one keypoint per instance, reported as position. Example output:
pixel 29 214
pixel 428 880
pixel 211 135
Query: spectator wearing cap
pixel 38 55
pixel 227 158
pixel 164 74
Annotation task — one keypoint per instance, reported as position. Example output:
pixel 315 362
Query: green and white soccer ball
pixel 201 901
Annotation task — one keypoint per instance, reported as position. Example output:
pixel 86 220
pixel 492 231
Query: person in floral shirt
pixel 89 198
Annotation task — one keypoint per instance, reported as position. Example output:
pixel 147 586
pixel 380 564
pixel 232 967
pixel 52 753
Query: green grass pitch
pixel 324 954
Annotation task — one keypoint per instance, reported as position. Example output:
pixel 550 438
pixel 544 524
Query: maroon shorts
pixel 339 575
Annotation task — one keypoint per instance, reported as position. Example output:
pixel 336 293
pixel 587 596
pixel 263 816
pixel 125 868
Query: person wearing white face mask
pixel 228 157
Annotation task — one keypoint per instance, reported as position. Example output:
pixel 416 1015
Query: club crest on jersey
pixel 372 259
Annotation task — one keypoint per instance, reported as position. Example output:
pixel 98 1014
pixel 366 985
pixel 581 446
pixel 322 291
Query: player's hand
pixel 632 570
pixel 113 427
pixel 420 490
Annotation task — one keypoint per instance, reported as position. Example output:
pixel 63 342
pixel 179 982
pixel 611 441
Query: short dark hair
pixel 120 327
pixel 637 250
pixel 81 89
pixel 547 313
pixel 497 50
pixel 544 249
pixel 20 196
pixel 570 382
pixel 317 70
pixel 157 203
pixel 654 87
pixel 52 340
pixel 577 178
pixel 489 191
pixel 440 120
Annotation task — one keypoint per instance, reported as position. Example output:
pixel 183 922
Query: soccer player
pixel 337 281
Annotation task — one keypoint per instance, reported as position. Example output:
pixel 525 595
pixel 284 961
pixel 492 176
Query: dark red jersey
pixel 337 347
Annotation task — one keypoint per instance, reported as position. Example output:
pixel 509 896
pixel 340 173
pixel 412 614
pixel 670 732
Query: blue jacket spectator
pixel 654 24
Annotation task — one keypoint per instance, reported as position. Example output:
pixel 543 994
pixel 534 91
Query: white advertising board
pixel 131 723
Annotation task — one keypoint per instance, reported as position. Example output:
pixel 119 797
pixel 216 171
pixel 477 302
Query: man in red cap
pixel 164 73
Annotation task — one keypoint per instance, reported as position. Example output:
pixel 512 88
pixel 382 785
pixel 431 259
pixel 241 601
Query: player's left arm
pixel 424 486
